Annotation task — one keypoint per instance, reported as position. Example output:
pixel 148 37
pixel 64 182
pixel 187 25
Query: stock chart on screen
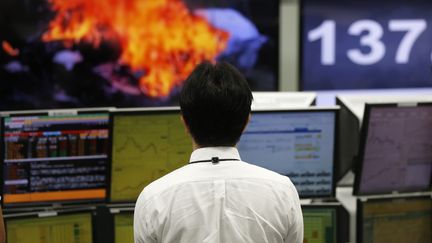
pixel 298 144
pixel 396 220
pixel 397 153
pixel 123 228
pixel 145 147
pixel 55 158
pixel 319 225
pixel 76 228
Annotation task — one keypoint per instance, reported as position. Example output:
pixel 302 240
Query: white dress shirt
pixel 229 201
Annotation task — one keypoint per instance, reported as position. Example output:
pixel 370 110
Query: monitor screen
pixel 395 150
pixel 351 44
pixel 320 225
pixel 55 158
pixel 146 146
pixel 130 53
pixel 123 228
pixel 298 144
pixel 75 228
pixel 395 220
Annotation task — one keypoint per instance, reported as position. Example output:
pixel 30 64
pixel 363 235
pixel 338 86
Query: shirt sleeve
pixel 296 228
pixel 142 227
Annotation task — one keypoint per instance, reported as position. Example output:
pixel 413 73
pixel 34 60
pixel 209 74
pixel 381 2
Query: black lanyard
pixel 213 160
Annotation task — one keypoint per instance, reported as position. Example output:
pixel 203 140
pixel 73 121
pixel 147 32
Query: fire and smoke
pixel 161 38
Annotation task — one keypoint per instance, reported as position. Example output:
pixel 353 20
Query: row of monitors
pixel 380 220
pixel 322 224
pixel 114 155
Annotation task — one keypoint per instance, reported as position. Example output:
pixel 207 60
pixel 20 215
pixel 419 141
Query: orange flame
pixel 8 48
pixel 160 37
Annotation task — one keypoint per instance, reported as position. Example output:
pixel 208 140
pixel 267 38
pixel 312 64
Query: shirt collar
pixel 209 152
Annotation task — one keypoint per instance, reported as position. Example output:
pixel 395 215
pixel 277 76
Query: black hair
pixel 215 103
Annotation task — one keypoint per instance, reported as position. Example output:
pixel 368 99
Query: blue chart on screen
pixel 298 145
pixel 366 44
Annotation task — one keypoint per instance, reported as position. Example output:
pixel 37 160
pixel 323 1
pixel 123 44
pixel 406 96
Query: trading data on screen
pixel 55 158
pixel 65 229
pixel 397 221
pixel 145 148
pixel 319 225
pixel 398 150
pixel 123 227
pixel 299 145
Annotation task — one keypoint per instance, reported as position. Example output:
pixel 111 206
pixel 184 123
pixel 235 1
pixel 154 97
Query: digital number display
pixel 367 44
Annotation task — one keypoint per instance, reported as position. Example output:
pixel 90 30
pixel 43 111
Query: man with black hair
pixel 217 197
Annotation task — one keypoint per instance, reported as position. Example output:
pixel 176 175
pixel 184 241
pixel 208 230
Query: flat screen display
pixel 397 220
pixel 396 150
pixel 91 53
pixel 55 158
pixel 145 147
pixel 123 228
pixel 365 44
pixel 76 228
pixel 320 225
pixel 299 145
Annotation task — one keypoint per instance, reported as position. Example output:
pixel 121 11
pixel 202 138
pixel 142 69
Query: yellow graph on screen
pixel 123 228
pixel 145 148
pixel 319 226
pixel 398 221
pixel 64 229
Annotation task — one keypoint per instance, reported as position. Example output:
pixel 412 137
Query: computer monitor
pixel 356 102
pixel 351 116
pixel 325 224
pixel 46 228
pixel 395 149
pixel 147 144
pixel 123 225
pixel 300 144
pixel 282 100
pixel 54 158
pixel 123 228
pixel 395 220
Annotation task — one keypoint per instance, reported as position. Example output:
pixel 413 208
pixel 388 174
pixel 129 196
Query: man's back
pixel 229 201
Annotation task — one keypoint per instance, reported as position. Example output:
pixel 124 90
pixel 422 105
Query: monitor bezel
pixel 300 58
pixel 3 115
pixel 342 219
pixel 364 130
pixel 131 112
pixel 335 111
pixel 360 207
pixel 54 213
pixel 349 114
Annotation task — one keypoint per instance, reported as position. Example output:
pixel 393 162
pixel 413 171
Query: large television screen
pixel 366 44
pixel 299 144
pixel 90 53
pixel 395 149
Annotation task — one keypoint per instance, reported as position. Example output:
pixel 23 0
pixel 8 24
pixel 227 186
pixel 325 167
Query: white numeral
pixel 414 28
pixel 372 40
pixel 370 33
pixel 327 32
